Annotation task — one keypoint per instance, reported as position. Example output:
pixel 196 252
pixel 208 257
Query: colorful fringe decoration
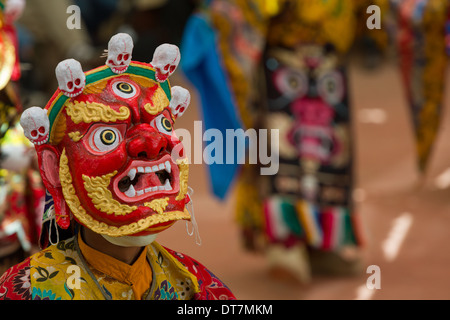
pixel 309 219
pixel 276 228
pixel 331 228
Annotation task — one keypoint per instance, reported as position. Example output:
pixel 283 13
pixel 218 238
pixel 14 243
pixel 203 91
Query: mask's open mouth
pixel 144 179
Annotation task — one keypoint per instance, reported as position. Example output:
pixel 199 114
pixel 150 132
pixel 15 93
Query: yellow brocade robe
pixel 58 272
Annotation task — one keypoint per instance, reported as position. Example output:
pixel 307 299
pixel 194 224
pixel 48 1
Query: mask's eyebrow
pixel 158 102
pixel 95 112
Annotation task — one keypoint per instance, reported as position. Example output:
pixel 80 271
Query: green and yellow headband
pixel 56 103
pixel 38 123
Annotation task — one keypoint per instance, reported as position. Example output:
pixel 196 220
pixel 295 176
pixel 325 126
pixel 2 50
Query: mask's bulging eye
pixel 124 89
pixel 108 137
pixel 165 123
pixel 162 124
pixel 104 139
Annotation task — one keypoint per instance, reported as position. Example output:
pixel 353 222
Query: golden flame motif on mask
pixel 75 136
pixel 95 112
pixel 158 205
pixel 97 189
pixel 159 102
pixel 80 213
pixel 184 173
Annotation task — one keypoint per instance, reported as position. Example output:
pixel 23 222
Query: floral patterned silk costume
pixel 48 275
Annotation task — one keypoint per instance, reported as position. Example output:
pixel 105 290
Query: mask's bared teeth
pixel 130 193
pixel 132 174
pixel 168 167
pixel 167 185
pixel 142 180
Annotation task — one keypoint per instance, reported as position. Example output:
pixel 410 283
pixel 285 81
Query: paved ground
pixel 406 215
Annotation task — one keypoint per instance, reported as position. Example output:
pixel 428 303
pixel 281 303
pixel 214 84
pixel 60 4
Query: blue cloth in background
pixel 202 65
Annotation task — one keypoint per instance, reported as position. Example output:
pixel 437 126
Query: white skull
pixel 165 61
pixel 180 101
pixel 71 78
pixel 120 48
pixel 35 124
pixel 13 10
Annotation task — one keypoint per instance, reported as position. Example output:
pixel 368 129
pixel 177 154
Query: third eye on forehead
pixel 125 87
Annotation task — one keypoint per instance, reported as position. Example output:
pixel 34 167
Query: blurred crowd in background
pixel 266 64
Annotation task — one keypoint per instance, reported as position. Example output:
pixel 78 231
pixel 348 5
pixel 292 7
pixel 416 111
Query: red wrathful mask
pixel 107 151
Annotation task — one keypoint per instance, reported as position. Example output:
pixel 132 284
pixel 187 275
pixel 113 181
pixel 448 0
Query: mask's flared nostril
pixel 145 142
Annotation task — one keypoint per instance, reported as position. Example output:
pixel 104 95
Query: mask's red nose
pixel 144 141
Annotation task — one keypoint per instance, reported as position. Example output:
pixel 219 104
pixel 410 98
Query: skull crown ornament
pixel 120 49
pixel 71 78
pixel 165 61
pixel 181 98
pixel 36 125
pixel 106 145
